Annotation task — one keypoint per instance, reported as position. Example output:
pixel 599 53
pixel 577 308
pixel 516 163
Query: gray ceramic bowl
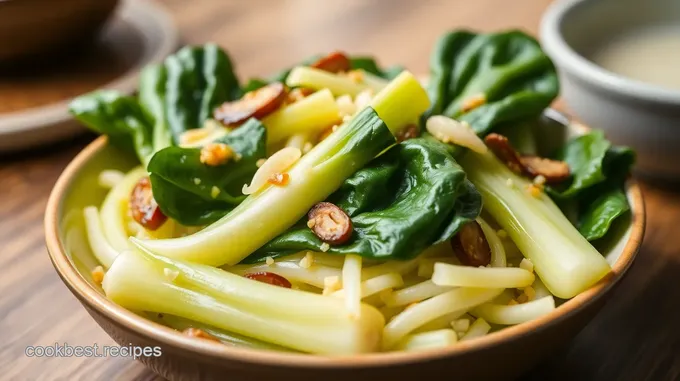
pixel 633 113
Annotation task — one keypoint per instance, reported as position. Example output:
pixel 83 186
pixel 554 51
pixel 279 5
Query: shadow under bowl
pixel 501 355
pixel 31 28
pixel 634 113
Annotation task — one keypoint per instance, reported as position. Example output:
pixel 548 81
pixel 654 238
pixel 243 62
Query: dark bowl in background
pixel 30 28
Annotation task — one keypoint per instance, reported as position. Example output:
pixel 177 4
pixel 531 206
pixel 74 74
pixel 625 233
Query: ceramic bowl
pixel 500 355
pixel 632 113
pixel 31 27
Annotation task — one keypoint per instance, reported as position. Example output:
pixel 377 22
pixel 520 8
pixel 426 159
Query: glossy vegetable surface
pixel 410 198
pixel 197 194
pixel 507 70
pixel 599 170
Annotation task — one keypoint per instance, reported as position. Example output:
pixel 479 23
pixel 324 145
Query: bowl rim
pixel 155 332
pixel 553 42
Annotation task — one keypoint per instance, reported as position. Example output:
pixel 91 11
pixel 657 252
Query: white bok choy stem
pixel 413 294
pixel 209 295
pixel 466 276
pixel 270 211
pixel 375 285
pixel 351 284
pixel 498 257
pixel 308 116
pixel 428 340
pixel 313 276
pixel 100 246
pixel 514 314
pixel 317 79
pixel 477 329
pixel 457 300
pixel 566 262
pixel 114 209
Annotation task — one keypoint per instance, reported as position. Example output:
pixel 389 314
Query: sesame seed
pixel 311 223
pixel 197 181
pixel 502 234
pixel 269 261
pixel 214 192
pixel 260 162
pixel 325 247
pixel 509 183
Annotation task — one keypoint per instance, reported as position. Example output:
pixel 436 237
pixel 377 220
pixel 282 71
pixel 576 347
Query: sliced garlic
pixel 452 131
pixel 277 163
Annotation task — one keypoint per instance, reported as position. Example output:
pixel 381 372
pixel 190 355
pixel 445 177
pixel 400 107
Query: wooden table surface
pixel 636 336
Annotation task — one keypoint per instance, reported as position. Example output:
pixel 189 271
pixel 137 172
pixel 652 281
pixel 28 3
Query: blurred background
pixel 72 51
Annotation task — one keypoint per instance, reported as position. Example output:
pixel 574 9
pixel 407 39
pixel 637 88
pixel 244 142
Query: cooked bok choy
pixel 566 262
pixel 269 212
pixel 319 324
pixel 339 208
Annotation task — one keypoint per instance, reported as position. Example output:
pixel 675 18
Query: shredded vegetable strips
pixel 351 283
pixel 101 248
pixel 466 276
pixel 413 294
pixel 428 340
pixel 498 258
pixel 457 300
pixel 114 210
pixel 375 285
pixel 291 270
pixel 515 314
pixel 477 329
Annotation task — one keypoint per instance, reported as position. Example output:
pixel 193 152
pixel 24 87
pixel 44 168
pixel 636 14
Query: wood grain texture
pixel 634 338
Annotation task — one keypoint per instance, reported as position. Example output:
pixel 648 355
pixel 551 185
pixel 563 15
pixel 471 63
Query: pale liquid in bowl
pixel 650 54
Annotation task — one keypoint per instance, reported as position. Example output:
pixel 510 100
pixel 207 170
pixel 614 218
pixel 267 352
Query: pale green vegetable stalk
pixel 467 276
pixel 498 257
pixel 458 300
pixel 564 260
pixel 227 338
pixel 317 324
pixel 373 81
pixel 426 265
pixel 445 321
pixel 375 285
pixel 269 212
pixel 351 284
pixel 478 329
pixel 291 270
pixel 101 248
pixel 114 209
pixel 428 340
pixel 317 79
pixel 399 267
pixel 413 294
pixel 309 116
pixel 515 314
